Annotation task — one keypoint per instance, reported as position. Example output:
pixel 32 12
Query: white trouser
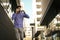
pixel 19 33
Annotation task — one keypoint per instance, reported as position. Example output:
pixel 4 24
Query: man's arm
pixel 13 16
pixel 25 15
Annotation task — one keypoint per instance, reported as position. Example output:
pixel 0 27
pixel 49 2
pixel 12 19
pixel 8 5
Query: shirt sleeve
pixel 13 16
pixel 25 15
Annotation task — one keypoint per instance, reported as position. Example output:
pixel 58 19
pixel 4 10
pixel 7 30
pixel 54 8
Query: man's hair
pixel 18 7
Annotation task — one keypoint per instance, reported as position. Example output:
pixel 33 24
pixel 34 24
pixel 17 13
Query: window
pixel 38 25
pixel 58 24
pixel 58 19
pixel 38 6
pixel 38 19
pixel 38 12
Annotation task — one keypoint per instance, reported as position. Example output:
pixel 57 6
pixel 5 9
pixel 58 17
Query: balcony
pixel 52 31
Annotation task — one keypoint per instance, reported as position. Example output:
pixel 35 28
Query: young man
pixel 18 17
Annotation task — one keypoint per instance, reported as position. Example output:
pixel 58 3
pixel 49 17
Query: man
pixel 18 17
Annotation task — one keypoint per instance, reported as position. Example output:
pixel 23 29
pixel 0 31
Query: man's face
pixel 18 9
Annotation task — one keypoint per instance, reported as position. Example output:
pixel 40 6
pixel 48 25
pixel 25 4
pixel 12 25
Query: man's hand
pixel 23 11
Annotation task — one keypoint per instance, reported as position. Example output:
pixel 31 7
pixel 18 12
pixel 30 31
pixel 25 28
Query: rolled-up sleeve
pixel 25 15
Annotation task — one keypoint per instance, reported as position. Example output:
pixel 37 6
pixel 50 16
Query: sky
pixel 27 5
pixel 28 8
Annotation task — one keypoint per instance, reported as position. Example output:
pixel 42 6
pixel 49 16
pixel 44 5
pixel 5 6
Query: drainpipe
pixel 32 24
